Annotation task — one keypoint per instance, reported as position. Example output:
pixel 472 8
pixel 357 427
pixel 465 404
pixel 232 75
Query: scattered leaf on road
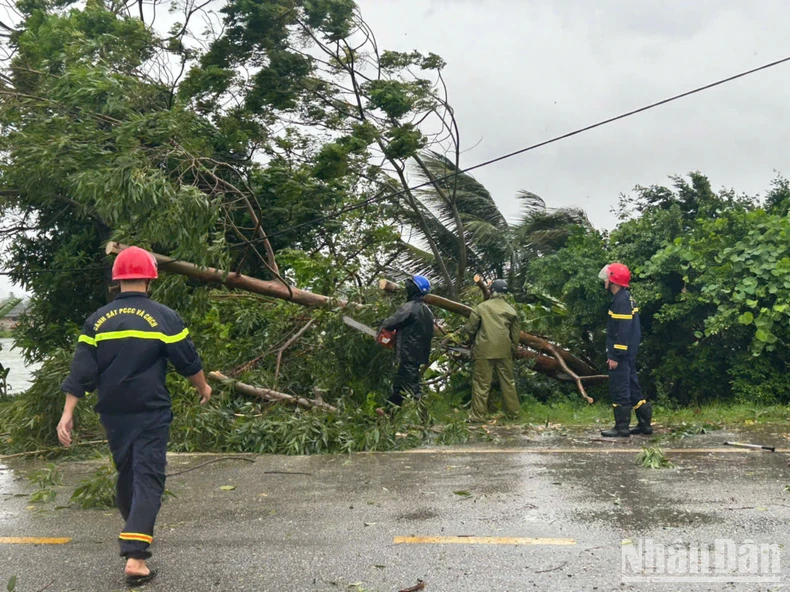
pixel 228 487
pixel 463 493
pixel 420 586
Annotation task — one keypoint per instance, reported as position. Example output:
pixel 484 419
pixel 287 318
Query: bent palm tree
pixel 459 212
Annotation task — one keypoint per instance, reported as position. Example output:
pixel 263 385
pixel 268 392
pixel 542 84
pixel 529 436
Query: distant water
pixel 20 375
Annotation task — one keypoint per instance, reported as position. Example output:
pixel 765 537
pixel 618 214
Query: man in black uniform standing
pixel 413 326
pixel 123 351
pixel 623 334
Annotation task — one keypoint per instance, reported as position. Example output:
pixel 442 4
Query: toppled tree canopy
pixel 281 149
pixel 285 148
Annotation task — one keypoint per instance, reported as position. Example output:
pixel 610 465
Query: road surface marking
pixel 579 451
pixel 34 541
pixel 461 540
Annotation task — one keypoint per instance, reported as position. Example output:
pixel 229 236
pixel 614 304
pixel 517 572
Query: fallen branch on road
pixel 200 466
pixel 274 289
pixel 560 566
pixel 268 394
pixel 420 586
pixel 52 449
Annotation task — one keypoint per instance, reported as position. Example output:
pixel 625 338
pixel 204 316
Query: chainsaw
pixel 383 337
pixel 387 338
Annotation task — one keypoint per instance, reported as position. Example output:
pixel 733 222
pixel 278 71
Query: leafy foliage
pixel 45 480
pixel 225 154
pixel 97 492
pixel 653 458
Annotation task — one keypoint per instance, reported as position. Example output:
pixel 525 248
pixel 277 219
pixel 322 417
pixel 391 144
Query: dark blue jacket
pixel 123 351
pixel 623 332
pixel 413 326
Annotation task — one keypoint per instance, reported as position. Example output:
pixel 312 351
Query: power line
pixel 379 197
pixel 62 270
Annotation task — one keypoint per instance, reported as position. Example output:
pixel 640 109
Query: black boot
pixel 644 414
pixel 622 418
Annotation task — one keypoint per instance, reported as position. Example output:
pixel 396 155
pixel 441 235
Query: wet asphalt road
pixel 335 528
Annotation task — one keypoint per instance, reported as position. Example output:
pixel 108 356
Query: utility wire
pixel 379 197
pixel 62 270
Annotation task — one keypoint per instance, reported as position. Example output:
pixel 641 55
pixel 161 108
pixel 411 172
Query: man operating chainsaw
pixel 413 327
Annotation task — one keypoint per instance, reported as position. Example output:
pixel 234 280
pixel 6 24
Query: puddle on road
pixel 629 499
pixel 7 490
pixel 639 517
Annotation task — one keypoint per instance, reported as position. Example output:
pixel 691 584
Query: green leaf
pixel 463 493
pixel 11 584
pixel 762 335
pixel 746 318
pixel 227 487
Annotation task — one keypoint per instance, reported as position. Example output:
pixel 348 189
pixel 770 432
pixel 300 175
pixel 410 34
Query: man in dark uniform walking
pixel 413 326
pixel 623 334
pixel 123 351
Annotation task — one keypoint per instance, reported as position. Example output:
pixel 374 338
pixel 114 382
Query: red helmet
pixel 618 274
pixel 134 263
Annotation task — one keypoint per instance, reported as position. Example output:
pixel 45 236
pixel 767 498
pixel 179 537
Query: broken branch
pixel 268 394
pixel 483 287
pixel 288 344
pixel 243 282
pixel 53 449
pixel 570 373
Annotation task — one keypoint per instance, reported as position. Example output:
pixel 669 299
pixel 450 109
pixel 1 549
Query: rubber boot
pixel 622 418
pixel 644 415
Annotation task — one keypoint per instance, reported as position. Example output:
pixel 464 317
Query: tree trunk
pixel 542 363
pixel 275 289
pixel 483 287
pixel 268 394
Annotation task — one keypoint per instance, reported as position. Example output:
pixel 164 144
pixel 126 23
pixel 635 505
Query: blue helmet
pixel 422 283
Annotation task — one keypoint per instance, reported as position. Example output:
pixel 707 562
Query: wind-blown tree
pixel 494 247
pixel 203 148
pixel 316 66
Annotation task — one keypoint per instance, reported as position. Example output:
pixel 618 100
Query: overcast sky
pixel 522 71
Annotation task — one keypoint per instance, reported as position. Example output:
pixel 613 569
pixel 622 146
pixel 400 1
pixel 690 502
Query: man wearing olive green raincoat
pixel 494 325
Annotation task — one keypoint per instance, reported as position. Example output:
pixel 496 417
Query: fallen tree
pixel 546 358
pixel 275 289
pixel 268 394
